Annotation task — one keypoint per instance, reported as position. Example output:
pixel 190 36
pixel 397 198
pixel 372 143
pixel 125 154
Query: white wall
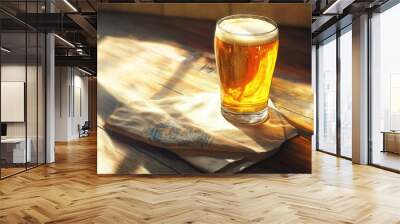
pixel 71 94
pixel 12 73
pixel 62 81
pixel 81 82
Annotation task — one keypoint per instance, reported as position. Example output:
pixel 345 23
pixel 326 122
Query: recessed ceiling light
pixel 337 7
pixel 5 50
pixel 65 41
pixel 70 5
pixel 84 71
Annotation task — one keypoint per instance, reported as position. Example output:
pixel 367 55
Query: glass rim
pixel 264 18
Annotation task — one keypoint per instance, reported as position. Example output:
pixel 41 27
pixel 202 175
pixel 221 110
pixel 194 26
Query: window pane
pixel 385 84
pixel 345 94
pixel 31 98
pixel 327 96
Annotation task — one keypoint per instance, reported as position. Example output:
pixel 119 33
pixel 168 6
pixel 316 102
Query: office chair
pixel 84 130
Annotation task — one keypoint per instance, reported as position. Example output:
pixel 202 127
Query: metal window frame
pixel 336 38
pixel 381 9
pixel 344 30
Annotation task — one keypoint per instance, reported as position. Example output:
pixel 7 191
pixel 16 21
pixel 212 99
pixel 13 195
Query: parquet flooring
pixel 70 191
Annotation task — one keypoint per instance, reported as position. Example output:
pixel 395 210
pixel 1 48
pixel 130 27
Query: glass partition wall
pixel 334 93
pixel 22 66
pixel 13 89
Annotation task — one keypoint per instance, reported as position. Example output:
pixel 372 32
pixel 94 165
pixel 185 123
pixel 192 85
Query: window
pixel 346 92
pixel 334 73
pixel 326 64
pixel 385 89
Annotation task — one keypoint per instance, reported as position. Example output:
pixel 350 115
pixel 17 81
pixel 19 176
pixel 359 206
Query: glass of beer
pixel 246 48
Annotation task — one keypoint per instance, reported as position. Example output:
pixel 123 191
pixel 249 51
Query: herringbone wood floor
pixel 69 191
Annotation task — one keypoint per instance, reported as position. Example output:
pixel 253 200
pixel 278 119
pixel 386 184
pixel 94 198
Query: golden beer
pixel 246 49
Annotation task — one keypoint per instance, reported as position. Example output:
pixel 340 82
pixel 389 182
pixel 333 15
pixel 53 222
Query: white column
pixel 360 90
pixel 50 93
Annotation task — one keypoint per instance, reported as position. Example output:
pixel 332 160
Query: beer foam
pixel 246 31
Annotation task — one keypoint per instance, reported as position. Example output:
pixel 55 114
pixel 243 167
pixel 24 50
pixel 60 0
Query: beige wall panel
pixel 298 15
pixel 292 14
pixel 210 11
pixel 147 8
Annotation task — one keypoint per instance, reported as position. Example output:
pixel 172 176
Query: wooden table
pixel 160 57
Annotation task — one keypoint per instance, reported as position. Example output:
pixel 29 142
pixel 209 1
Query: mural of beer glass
pixel 246 49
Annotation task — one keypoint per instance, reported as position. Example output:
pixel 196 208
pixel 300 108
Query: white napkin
pixel 193 128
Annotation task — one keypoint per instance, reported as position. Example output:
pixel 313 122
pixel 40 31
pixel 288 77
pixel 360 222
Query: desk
pixel 391 141
pixel 13 150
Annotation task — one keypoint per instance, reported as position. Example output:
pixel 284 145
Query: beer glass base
pixel 246 118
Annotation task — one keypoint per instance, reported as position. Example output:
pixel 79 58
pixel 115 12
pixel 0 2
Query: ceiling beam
pixel 49 22
pixel 78 61
pixel 84 24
